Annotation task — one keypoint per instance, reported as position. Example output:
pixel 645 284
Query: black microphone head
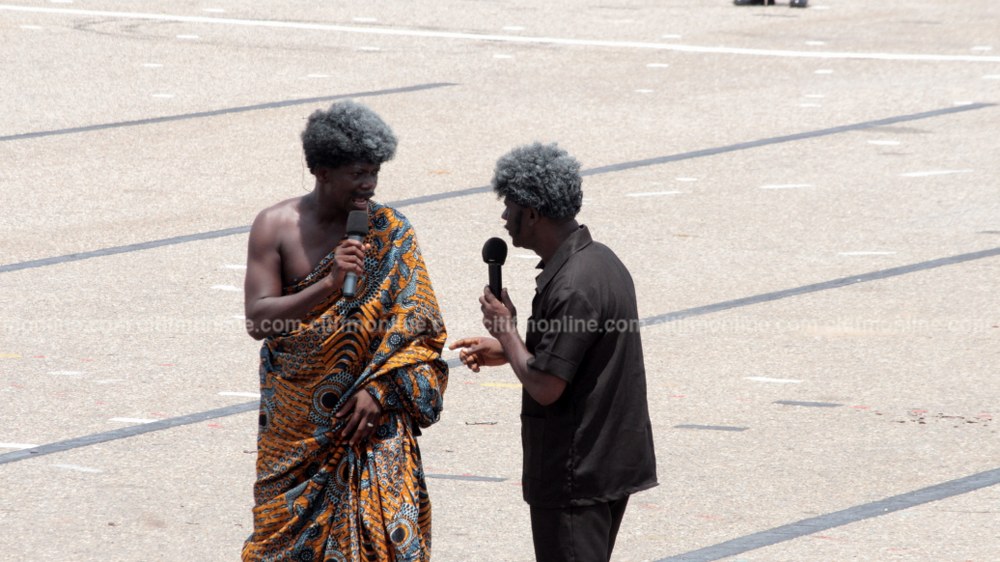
pixel 357 223
pixel 495 251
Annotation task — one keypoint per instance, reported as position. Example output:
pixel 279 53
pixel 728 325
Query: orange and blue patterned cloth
pixel 316 497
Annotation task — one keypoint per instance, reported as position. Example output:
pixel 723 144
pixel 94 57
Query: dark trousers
pixel 577 534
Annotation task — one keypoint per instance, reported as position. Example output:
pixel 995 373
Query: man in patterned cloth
pixel 346 382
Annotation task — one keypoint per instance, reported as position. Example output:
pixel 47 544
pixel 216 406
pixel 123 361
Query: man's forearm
pixel 275 315
pixel 541 386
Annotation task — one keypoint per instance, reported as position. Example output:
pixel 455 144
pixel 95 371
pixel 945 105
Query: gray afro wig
pixel 543 177
pixel 347 132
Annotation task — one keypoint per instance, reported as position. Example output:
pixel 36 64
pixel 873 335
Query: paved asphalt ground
pixel 808 200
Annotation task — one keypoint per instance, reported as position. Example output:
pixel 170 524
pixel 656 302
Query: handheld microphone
pixel 357 229
pixel 494 254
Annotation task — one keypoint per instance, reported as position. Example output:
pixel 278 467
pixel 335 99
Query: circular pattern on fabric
pixel 326 396
pixel 401 532
pixel 385 431
pixel 344 471
pixel 379 221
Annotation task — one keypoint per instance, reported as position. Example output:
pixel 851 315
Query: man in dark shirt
pixel 585 429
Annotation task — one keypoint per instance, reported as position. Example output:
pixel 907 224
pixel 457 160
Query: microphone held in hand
pixel 494 254
pixel 357 229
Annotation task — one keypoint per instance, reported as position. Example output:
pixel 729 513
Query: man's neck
pixel 324 213
pixel 556 233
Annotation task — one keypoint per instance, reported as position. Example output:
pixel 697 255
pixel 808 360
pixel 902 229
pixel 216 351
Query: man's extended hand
pixel 362 412
pixel 479 352
pixel 499 317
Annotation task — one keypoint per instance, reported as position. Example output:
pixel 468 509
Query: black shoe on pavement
pixel 753 2
pixel 797 3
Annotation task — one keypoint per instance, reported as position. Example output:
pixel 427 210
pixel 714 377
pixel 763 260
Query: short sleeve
pixel 569 325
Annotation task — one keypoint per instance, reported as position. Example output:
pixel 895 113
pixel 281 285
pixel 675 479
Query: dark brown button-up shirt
pixel 595 443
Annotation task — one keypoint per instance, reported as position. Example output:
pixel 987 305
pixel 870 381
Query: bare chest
pixel 304 247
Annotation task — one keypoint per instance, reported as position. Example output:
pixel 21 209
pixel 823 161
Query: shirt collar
pixel 575 242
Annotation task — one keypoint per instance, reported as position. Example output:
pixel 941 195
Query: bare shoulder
pixel 276 216
pixel 287 210
pixel 266 231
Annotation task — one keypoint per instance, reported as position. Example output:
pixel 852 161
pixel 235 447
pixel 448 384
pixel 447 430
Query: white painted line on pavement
pixel 823 71
pixel 644 91
pixel 786 186
pixel 30 27
pixel 652 193
pixel 499 56
pixel 657 65
pixel 239 266
pixel 929 173
pixel 776 381
pixel 230 288
pixel 188 37
pixel 405 32
pixel 17 446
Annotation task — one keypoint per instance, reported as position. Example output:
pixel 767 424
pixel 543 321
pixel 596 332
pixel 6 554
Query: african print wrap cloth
pixel 316 497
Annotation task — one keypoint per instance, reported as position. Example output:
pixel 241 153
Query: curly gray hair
pixel 540 176
pixel 347 132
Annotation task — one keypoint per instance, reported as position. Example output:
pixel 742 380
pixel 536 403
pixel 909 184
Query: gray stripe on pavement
pixel 124 432
pixel 710 427
pixel 217 112
pixel 466 478
pixel 807 404
pixel 816 287
pixel 854 514
pixel 483 189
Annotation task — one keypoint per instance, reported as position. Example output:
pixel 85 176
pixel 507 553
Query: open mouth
pixel 360 201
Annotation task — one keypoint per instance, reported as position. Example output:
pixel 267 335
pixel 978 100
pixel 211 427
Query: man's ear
pixel 533 214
